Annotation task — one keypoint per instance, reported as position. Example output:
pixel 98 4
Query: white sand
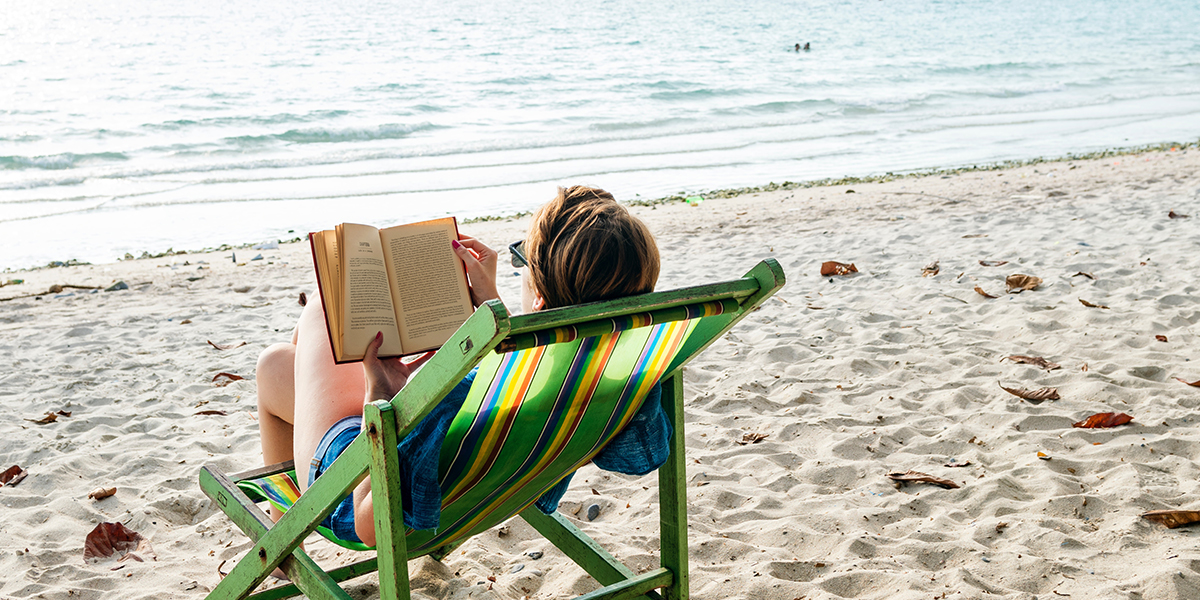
pixel 850 378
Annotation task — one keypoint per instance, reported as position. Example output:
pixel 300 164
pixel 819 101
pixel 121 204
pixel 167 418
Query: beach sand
pixel 849 378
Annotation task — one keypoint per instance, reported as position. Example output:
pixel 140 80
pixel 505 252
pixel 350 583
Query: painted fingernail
pixel 378 335
pixel 455 244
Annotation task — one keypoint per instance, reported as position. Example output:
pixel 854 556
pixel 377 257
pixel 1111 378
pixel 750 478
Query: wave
pixel 317 135
pixel 57 162
pixel 628 125
pixel 276 119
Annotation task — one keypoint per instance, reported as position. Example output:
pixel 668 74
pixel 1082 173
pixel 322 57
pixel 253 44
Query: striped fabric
pixel 614 324
pixel 534 416
pixel 281 491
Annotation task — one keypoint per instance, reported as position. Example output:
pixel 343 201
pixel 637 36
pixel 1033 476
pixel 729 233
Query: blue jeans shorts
pixel 335 441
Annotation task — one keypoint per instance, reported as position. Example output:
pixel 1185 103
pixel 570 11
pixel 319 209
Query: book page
pixel 429 282
pixel 366 301
pixel 329 283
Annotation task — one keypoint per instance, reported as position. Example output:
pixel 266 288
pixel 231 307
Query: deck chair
pixel 552 388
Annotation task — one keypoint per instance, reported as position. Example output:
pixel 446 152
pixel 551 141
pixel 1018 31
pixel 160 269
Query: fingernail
pixel 455 244
pixel 378 336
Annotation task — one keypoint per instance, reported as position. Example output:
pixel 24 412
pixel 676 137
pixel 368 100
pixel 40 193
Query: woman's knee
pixel 275 378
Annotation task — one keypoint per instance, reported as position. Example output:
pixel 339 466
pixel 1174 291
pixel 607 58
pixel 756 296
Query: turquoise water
pixel 131 126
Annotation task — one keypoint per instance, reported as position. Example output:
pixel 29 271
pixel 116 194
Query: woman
pixel 582 247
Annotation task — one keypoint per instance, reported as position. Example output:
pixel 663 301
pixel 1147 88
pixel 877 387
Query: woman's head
pixel 584 247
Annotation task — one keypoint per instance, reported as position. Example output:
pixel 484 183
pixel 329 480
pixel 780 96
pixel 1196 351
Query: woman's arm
pixel 384 379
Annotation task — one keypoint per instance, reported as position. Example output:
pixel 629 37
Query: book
pixel 405 281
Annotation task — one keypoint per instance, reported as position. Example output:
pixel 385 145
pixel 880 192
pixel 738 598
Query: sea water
pixel 130 126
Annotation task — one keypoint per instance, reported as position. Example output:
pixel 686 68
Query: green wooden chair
pixel 552 388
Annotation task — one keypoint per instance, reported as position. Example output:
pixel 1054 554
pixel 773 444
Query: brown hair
pixel 584 247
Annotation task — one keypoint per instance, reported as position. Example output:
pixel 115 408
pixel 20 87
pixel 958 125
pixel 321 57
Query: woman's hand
pixel 385 378
pixel 481 268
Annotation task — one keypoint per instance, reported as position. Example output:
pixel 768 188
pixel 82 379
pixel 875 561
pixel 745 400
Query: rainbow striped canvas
pixel 534 416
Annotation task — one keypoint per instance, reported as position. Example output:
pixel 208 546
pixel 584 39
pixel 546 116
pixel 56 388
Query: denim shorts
pixel 335 441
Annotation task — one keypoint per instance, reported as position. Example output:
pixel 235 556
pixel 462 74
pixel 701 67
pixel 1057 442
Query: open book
pixel 405 281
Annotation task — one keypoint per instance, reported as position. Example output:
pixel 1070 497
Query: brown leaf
pixel 1104 420
pixel 1084 368
pixel 102 493
pixel 915 477
pixel 965 463
pixel 1036 361
pixel 930 269
pixel 12 476
pixel 303 299
pixel 1090 305
pixel 594 492
pixel 1161 338
pixel 1088 275
pixel 1042 455
pixel 231 376
pixel 1173 518
pixel 993 263
pixel 111 538
pixel 1035 396
pixel 211 412
pixel 1018 283
pixel 49 418
pixel 226 346
pixel 751 438
pixel 1175 215
pixel 1191 383
pixel 980 291
pixel 837 268
pixel 975 235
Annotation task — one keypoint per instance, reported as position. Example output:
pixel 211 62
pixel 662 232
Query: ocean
pixel 131 126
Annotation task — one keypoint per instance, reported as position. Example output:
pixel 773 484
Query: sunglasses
pixel 516 251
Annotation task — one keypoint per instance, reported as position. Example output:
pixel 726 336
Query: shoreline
pixel 724 193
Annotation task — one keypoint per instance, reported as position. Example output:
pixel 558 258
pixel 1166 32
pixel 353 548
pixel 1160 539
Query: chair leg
pixel 380 425
pixel 672 493
pixel 255 523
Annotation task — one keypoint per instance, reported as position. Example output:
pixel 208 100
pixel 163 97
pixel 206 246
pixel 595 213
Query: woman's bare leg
pixel 324 392
pixel 275 376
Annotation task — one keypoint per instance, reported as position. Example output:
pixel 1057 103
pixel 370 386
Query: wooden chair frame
pixel 373 453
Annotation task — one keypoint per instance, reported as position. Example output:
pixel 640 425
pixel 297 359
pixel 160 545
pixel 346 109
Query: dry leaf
pixel 1088 275
pixel 1084 368
pixel 1191 383
pixel 837 268
pixel 915 477
pixel 211 412
pixel 930 269
pixel 1043 455
pixel 12 476
pixel 102 493
pixel 993 263
pixel 49 418
pixel 303 299
pixel 1090 305
pixel 1175 215
pixel 1036 361
pixel 751 438
pixel 980 291
pixel 111 538
pixel 226 346
pixel 1018 283
pixel 975 235
pixel 1035 396
pixel 958 464
pixel 1161 338
pixel 231 376
pixel 1103 420
pixel 1173 518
